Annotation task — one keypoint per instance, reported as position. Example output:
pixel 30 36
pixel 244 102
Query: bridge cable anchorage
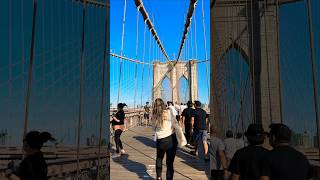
pixel 145 16
pixel 102 104
pixel 122 44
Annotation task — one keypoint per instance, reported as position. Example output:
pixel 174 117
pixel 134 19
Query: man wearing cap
pixel 186 120
pixel 284 162
pixel 199 123
pixel 246 162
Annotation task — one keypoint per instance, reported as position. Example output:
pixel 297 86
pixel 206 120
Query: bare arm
pixel 235 177
pixel 192 121
pixel 223 159
pixel 14 177
pixel 264 178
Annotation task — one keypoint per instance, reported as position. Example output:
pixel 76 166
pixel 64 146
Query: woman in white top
pixel 166 138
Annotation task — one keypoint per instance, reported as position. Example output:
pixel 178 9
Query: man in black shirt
pixel 284 162
pixel 186 119
pixel 199 123
pixel 246 162
pixel 146 113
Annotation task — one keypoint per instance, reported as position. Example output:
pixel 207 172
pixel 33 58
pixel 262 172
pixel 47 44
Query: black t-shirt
pixel 33 167
pixel 200 116
pixel 120 116
pixel 247 162
pixel 147 109
pixel 286 163
pixel 187 114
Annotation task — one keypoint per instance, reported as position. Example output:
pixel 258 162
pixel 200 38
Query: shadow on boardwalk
pixel 133 166
pixel 183 153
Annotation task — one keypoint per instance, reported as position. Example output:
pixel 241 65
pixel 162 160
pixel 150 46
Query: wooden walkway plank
pixel 140 161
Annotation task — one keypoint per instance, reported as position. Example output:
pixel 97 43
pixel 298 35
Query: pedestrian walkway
pixel 140 161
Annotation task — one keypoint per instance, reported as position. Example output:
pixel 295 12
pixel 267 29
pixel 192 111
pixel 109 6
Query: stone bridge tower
pixel 251 28
pixel 187 69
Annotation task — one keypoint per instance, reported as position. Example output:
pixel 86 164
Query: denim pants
pixel 168 146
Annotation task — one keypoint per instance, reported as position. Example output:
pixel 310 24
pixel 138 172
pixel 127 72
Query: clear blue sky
pixel 169 18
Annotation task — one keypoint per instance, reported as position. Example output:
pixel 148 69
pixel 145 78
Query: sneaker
pixel 116 155
pixel 122 151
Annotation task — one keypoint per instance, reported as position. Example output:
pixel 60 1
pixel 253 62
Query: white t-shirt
pixel 216 145
pixel 231 145
pixel 166 129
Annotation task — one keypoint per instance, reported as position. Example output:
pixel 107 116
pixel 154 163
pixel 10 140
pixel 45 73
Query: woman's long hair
pixel 158 112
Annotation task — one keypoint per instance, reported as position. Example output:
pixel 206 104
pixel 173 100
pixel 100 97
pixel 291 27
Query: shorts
pixel 202 135
pixel 146 116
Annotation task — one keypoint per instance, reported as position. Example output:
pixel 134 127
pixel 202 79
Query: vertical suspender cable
pixel 267 54
pixel 81 85
pixel 26 115
pixel 121 51
pixel 144 49
pixel 205 51
pixel 10 61
pixel 149 73
pixel 102 103
pixel 149 78
pixel 251 61
pixel 195 34
pixel 279 60
pixel 136 65
pixel 314 69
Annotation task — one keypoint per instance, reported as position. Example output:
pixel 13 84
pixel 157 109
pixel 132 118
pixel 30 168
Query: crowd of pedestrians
pixel 233 159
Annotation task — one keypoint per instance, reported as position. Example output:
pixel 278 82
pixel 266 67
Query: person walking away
pixel 284 162
pixel 33 166
pixel 146 113
pixel 166 140
pixel 246 162
pixel 173 110
pixel 183 107
pixel 231 145
pixel 240 141
pixel 218 162
pixel 118 127
pixel 199 122
pixel 186 120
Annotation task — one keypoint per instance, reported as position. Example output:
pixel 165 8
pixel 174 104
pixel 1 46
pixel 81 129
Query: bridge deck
pixel 140 162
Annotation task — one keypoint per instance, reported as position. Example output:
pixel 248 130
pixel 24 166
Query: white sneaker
pixel 115 155
pixel 122 151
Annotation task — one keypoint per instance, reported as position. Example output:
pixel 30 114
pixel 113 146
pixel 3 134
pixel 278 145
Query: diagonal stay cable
pixel 147 20
pixel 184 36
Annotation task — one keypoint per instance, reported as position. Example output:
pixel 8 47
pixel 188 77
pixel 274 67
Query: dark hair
pixel 239 135
pixel 197 103
pixel 229 134
pixel 256 140
pixel 35 139
pixel 281 132
pixel 121 105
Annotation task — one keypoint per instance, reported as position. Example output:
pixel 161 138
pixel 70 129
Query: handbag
pixel 182 141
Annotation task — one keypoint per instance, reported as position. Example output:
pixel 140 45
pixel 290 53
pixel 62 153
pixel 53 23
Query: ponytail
pixel 35 139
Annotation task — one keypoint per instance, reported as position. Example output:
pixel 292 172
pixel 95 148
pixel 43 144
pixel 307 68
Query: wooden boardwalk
pixel 140 161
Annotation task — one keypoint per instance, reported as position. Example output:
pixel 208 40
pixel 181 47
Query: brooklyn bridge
pixel 66 64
